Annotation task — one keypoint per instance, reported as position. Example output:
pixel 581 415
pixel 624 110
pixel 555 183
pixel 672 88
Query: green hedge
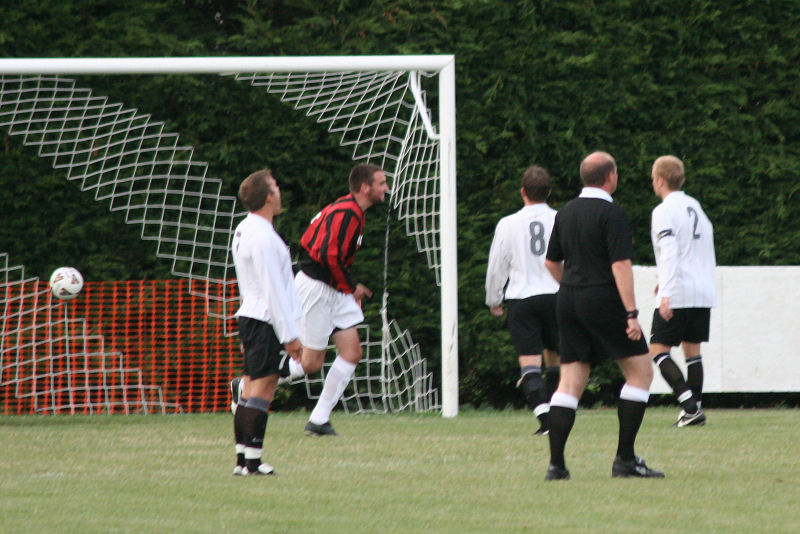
pixel 712 82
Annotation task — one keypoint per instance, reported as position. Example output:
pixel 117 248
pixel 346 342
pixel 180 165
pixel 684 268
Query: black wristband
pixel 633 314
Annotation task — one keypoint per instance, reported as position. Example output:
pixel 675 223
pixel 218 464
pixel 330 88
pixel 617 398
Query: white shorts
pixel 324 309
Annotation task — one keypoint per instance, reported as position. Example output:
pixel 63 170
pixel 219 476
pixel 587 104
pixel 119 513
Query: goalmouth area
pixel 375 104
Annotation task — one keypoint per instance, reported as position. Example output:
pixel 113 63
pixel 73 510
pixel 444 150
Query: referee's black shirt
pixel 588 236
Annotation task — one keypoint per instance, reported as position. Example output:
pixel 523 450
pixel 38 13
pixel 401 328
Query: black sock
pixel 630 414
pixel 561 421
pixel 535 393
pixel 238 430
pixel 551 377
pixel 256 440
pixel 694 375
pixel 672 374
pixel 255 427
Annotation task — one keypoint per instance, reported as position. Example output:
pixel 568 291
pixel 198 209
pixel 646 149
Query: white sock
pixel 564 400
pixel 251 453
pixel 295 369
pixel 635 394
pixel 338 377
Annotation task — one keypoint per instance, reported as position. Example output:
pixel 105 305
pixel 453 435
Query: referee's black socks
pixel 630 411
pixel 562 419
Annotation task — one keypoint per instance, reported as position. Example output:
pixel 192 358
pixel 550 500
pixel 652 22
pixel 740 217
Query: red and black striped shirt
pixel 330 242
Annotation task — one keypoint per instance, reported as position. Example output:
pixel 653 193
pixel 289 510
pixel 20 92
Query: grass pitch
pixel 480 472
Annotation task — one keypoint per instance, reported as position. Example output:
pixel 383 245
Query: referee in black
pixel 590 254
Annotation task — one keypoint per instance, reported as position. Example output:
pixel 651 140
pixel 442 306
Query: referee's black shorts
pixel 592 322
pixel 687 324
pixel 262 350
pixel 532 324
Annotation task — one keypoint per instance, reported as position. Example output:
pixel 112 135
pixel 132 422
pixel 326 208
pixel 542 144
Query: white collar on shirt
pixel 675 195
pixel 259 219
pixel 595 192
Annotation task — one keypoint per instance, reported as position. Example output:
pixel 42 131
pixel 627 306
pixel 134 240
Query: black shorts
pixel 592 323
pixel 532 324
pixel 687 324
pixel 262 350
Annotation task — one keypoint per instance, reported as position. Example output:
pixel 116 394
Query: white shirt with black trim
pixel 265 277
pixel 683 244
pixel 517 255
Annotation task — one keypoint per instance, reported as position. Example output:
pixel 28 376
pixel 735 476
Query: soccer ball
pixel 66 283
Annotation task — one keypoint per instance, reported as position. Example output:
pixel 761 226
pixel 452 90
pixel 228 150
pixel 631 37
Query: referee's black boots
pixel 555 472
pixel 635 468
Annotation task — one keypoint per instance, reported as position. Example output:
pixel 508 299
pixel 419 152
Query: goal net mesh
pixel 126 159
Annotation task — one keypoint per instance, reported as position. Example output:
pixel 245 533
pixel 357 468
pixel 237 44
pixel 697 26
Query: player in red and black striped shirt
pixel 330 243
pixel 330 297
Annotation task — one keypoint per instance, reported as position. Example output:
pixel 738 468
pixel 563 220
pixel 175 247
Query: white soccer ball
pixel 66 283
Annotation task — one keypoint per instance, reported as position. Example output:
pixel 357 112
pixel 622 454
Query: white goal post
pixel 442 254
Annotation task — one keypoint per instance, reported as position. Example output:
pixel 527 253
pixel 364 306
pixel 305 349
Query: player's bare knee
pixel 641 377
pixel 312 361
pixel 312 367
pixel 353 354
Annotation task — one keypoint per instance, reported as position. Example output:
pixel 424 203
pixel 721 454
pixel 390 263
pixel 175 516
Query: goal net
pixel 55 363
pixel 376 106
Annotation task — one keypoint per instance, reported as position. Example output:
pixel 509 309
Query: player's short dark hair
pixel 363 173
pixel 255 189
pixel 536 183
pixel 594 174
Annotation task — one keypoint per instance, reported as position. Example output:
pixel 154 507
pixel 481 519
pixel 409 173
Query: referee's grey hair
pixel 595 167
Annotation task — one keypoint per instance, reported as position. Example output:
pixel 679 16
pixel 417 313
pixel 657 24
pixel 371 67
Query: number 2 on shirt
pixel 693 215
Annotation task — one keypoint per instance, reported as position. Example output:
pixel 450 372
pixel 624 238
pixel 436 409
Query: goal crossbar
pixel 220 65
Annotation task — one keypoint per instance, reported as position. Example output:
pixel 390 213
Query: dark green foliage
pixel 712 82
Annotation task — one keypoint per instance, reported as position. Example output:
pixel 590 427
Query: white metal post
pixel 447 227
pixel 219 65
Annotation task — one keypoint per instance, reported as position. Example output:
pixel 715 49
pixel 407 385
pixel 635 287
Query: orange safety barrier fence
pixel 145 336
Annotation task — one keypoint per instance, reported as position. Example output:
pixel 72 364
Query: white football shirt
pixel 265 277
pixel 517 255
pixel 683 244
